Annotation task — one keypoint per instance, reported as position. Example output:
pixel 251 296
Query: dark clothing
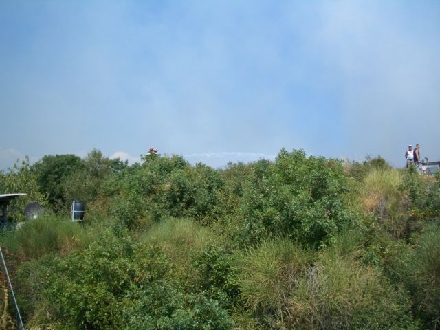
pixel 416 156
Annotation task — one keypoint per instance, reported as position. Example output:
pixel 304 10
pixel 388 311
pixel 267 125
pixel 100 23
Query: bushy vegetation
pixel 301 242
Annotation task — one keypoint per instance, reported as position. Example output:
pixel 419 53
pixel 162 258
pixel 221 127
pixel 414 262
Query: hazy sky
pixel 219 81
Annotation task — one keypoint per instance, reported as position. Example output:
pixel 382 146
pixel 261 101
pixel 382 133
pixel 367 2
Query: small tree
pixel 21 179
pixel 52 173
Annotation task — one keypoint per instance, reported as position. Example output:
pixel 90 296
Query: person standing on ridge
pixel 409 155
pixel 417 157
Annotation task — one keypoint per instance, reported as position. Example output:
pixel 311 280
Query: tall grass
pixel 341 293
pixel 48 234
pixel 421 275
pixel 287 287
pixel 268 275
pixel 181 240
pixel 180 232
pixel 382 197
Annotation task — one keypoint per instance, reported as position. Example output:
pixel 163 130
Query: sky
pixel 219 81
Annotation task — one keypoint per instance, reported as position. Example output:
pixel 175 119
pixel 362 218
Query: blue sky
pixel 219 81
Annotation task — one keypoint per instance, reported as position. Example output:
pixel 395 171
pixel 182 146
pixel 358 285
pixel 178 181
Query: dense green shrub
pixel 162 306
pixel 216 276
pixel 113 282
pixel 419 270
pixel 87 289
pixel 85 184
pixel 424 195
pixel 164 187
pixel 297 197
pixel 206 184
pixel 130 194
pixel 52 172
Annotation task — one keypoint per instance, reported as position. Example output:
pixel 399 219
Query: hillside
pixel 301 242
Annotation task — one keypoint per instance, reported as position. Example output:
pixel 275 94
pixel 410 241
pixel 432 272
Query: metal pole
pixel 17 311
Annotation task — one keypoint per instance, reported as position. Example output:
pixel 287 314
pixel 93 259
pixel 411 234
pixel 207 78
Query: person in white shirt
pixel 409 156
